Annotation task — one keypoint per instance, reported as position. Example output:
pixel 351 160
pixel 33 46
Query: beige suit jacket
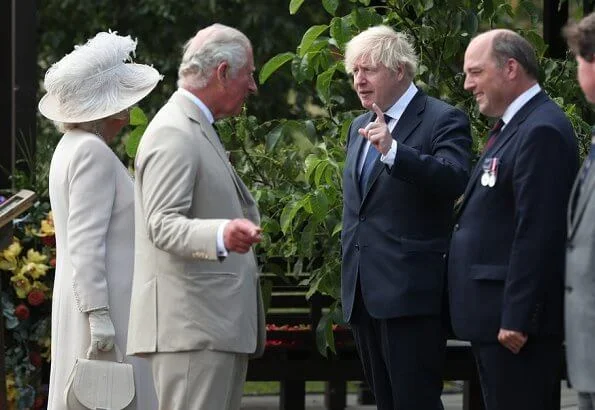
pixel 183 297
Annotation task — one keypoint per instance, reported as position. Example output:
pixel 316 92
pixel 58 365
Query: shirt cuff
pixel 221 251
pixel 391 155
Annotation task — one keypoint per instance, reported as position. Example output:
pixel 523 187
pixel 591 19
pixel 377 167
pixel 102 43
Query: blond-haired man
pixel 407 161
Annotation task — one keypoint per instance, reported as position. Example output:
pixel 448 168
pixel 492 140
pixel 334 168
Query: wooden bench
pixel 292 357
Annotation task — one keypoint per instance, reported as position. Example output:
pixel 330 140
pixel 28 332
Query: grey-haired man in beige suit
pixel 196 310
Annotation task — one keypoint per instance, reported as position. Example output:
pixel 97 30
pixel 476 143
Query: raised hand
pixel 377 132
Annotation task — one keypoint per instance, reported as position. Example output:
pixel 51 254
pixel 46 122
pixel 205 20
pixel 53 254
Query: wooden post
pixel 6 131
pixel 18 90
pixel 555 16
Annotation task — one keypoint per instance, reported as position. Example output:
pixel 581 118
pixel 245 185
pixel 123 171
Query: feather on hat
pixel 96 80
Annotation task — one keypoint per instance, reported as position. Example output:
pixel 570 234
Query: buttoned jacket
pixel 183 296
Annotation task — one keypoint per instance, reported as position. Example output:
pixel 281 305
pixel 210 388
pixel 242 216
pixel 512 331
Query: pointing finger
pixel 379 114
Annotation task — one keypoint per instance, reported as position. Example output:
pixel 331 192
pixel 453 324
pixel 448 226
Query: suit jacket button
pixel 456 227
pixel 570 246
pixel 568 288
pixel 443 256
pixel 357 246
pixel 362 218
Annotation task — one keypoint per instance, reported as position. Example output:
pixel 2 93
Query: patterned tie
pixel 493 134
pixel 371 157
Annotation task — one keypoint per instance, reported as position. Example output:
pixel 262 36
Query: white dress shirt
pixel 395 112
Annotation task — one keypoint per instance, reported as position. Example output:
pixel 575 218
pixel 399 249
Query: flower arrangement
pixel 27 274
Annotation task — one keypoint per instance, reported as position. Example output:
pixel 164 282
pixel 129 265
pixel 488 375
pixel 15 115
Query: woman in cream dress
pixel 88 95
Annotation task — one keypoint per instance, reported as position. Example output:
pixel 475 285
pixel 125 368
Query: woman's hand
pixel 102 332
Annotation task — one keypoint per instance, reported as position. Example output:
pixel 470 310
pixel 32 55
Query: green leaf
pixel 325 339
pixel 330 6
pixel 318 205
pixel 295 5
pixel 309 37
pixel 298 268
pixel 471 24
pixel 273 65
pixel 340 30
pixel 313 287
pixel 338 229
pixel 273 137
pixel 138 117
pixel 323 85
pixel 311 163
pixel 288 214
pixel 320 171
pixel 134 139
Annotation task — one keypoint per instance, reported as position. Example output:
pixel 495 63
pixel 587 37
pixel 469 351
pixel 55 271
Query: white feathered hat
pixel 95 81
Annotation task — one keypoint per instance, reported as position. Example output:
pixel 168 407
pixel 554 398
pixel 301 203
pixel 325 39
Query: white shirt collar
pixel 519 102
pixel 199 103
pixel 397 109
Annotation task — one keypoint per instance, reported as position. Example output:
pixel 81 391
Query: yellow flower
pixel 21 285
pixel 11 390
pixel 46 227
pixel 37 285
pixel 9 257
pixel 33 264
pixel 46 344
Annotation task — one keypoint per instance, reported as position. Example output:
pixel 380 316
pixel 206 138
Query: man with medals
pixel 506 261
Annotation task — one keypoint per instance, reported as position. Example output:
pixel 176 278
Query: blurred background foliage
pixel 288 142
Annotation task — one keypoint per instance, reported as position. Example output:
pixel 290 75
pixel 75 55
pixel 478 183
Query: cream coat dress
pixel 92 199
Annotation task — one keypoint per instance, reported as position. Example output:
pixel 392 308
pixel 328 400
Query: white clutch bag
pixel 100 384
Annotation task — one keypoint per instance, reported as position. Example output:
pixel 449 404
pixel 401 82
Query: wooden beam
pixel 6 146
pixel 555 16
pixel 18 90
pixel 25 80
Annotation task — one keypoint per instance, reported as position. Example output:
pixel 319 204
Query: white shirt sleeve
pixel 221 251
pixel 391 155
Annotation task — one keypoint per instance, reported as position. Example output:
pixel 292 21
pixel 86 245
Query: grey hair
pixel 508 44
pixel 94 127
pixel 382 44
pixel 224 44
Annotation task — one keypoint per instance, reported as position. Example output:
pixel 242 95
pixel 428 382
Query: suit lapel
pixel 404 128
pixel 196 115
pixel 506 134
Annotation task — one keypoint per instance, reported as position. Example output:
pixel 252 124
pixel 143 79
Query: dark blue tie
pixel 371 157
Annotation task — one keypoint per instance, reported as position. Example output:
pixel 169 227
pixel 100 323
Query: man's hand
pixel 240 234
pixel 512 340
pixel 377 132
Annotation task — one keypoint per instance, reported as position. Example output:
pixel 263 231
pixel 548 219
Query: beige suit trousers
pixel 199 379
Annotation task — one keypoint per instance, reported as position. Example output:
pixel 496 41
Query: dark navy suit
pixel 506 258
pixel 394 239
